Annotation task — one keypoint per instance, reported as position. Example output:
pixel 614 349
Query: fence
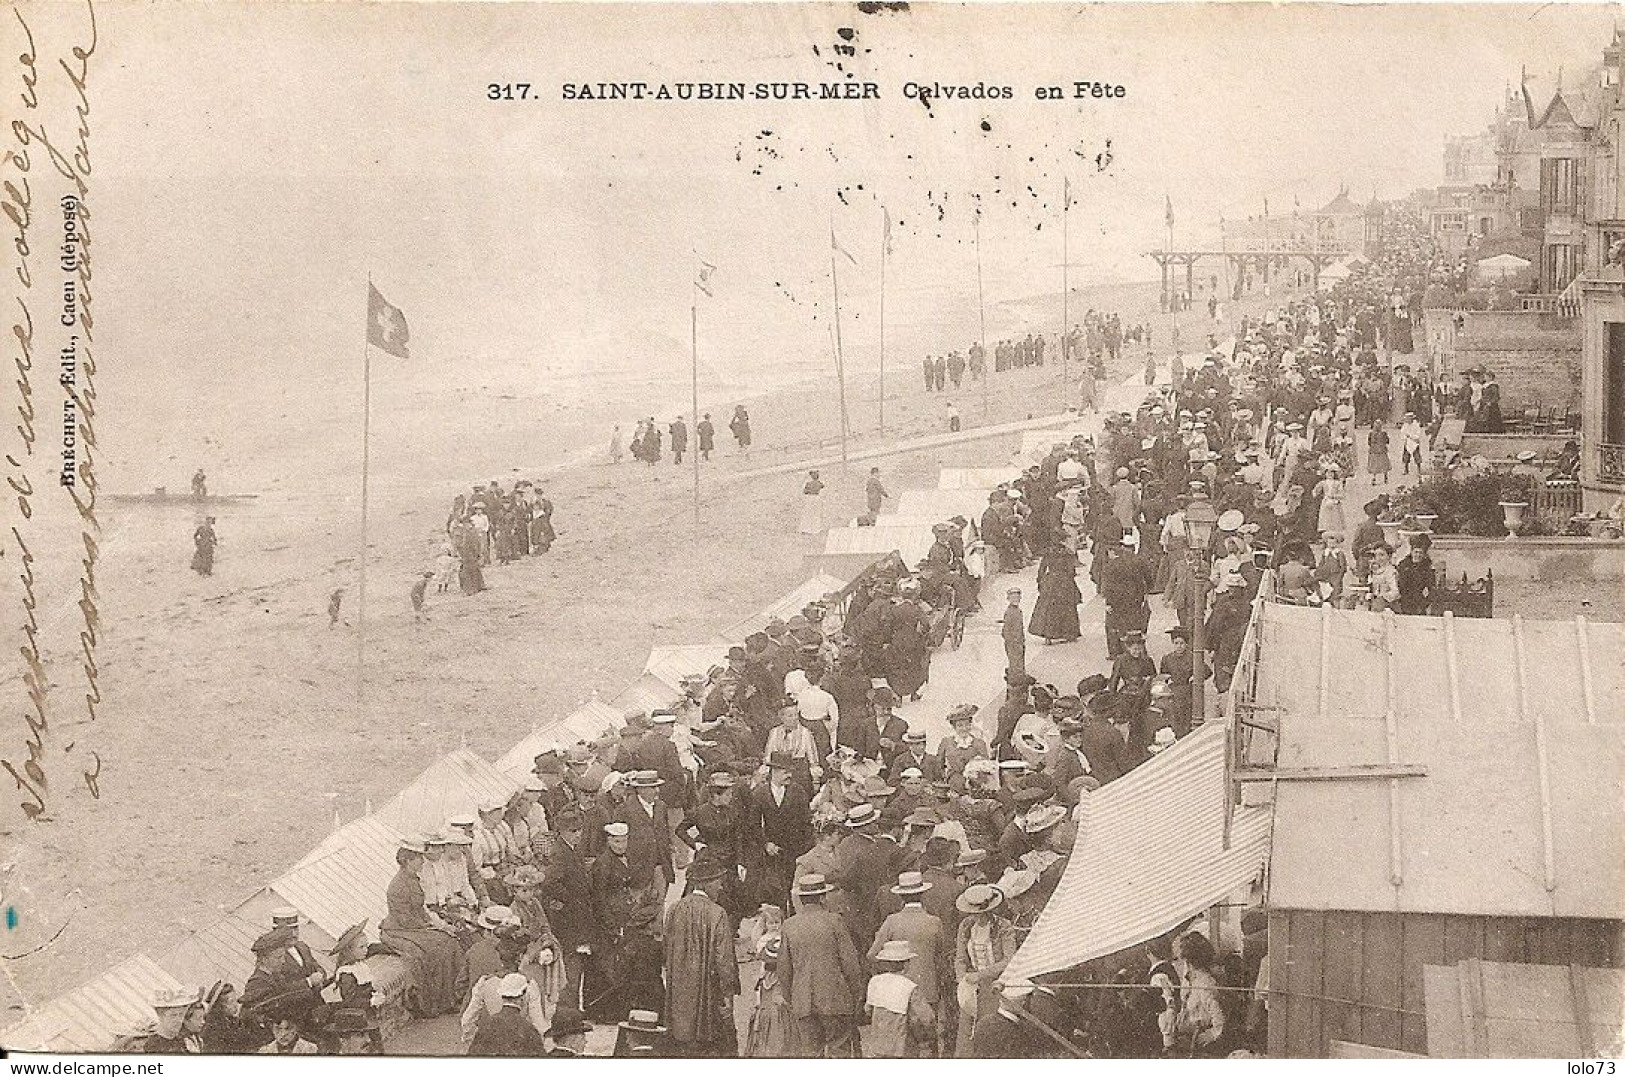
pixel 1557 501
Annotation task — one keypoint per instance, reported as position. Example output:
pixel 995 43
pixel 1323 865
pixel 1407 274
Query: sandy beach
pixel 232 729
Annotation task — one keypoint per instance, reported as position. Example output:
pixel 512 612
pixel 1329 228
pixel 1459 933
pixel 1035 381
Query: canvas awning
pixel 1149 855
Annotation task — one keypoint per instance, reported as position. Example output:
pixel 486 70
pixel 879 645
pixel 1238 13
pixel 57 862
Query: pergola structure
pixel 1241 260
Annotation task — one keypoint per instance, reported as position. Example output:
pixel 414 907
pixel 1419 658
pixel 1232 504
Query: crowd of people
pixel 486 526
pixel 780 865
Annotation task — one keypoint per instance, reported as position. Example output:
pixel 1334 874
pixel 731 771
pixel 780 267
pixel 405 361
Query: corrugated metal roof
pixel 939 505
pixel 786 606
pixel 1470 835
pixel 975 478
pixel 586 723
pixel 912 542
pixel 368 836
pixel 672 664
pixel 458 783
pixel 1149 855
pixel 89 1018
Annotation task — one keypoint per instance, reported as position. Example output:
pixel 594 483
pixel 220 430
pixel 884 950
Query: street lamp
pixel 1200 519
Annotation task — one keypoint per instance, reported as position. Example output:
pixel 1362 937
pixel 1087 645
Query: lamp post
pixel 1200 519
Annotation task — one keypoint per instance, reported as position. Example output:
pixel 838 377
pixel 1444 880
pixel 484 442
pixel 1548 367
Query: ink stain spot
pixel 11 918
pixel 986 126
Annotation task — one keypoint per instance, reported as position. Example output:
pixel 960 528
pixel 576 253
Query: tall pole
pixel 694 339
pixel 1066 291
pixel 366 467
pixel 840 361
pixel 1198 637
pixel 883 239
pixel 981 311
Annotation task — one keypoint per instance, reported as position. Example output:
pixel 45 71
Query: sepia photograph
pixel 874 530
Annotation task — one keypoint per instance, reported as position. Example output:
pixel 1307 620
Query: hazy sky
pixel 257 161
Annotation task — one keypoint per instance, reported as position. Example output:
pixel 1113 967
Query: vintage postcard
pixel 819 530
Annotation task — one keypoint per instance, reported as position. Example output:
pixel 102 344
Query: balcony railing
pixel 1611 463
pixel 1549 304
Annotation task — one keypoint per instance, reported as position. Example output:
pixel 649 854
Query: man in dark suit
pixel 883 733
pixel 649 827
pixel 566 894
pixel 656 752
pixel 1105 747
pixel 911 753
pixel 823 981
pixel 864 863
pixel 508 1033
pixel 778 831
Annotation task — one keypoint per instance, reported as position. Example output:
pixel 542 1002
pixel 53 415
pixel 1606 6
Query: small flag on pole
pixel 1168 213
pixel 702 279
pixel 836 245
pixel 1066 193
pixel 386 325
pixel 885 236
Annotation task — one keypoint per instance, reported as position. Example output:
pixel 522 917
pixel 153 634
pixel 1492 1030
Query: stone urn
pixel 1426 519
pixel 1390 532
pixel 1512 515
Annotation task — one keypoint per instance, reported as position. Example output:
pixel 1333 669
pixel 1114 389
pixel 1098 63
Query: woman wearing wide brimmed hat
pixel 983 945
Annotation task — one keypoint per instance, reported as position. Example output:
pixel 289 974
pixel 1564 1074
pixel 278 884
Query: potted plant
pixel 1512 513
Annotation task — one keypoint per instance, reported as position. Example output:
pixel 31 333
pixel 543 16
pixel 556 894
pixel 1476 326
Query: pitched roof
pixel 585 723
pixel 981 478
pixel 460 782
pixel 671 664
pixel 1519 726
pixel 89 1018
pixel 1149 855
pixel 1342 205
pixel 784 607
pixel 913 541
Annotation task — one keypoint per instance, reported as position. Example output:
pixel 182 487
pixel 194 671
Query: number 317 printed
pixel 507 91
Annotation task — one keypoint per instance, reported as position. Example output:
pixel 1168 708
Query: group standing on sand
pixel 647 438
pixel 486 526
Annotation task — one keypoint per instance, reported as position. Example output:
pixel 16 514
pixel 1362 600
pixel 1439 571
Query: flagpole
pixel 883 238
pixel 694 386
pixel 840 364
pixel 981 311
pixel 366 466
pixel 1066 291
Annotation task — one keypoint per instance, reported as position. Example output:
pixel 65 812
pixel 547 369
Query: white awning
pixel 1149 855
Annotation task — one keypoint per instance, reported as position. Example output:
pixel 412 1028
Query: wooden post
pixel 981 309
pixel 694 387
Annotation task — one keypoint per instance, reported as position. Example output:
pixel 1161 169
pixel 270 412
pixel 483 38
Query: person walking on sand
pixel 204 540
pixel 874 492
pixel 812 505
pixel 953 418
pixel 706 433
pixel 679 439
pixel 740 425
pixel 334 602
pixel 419 590
pixel 615 450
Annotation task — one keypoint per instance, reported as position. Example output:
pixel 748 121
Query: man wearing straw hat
pixel 921 931
pixel 819 967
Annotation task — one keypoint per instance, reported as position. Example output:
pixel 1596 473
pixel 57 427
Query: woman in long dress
pixel 615 452
pixel 1330 492
pixel 1055 614
pixel 1376 455
pixel 812 505
pixel 439 972
pixel 469 577
pixel 907 658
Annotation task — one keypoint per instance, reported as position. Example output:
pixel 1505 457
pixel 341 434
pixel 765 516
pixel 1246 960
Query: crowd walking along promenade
pixel 1225 661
